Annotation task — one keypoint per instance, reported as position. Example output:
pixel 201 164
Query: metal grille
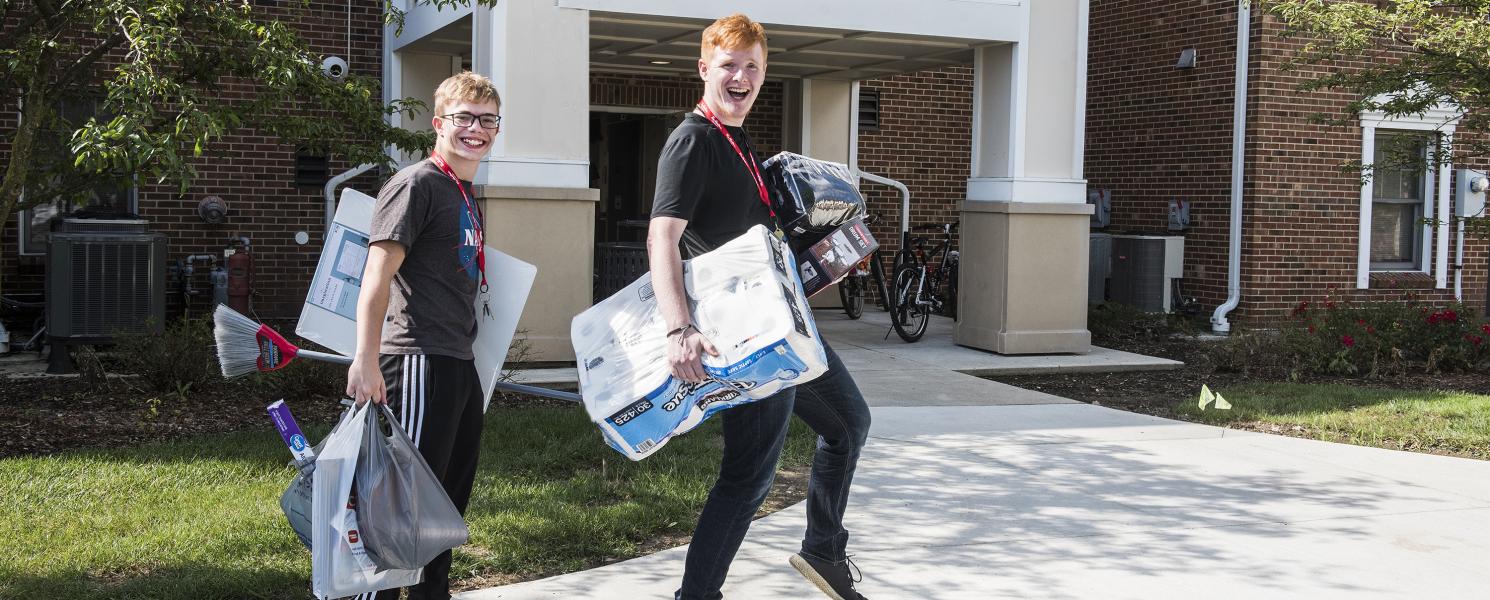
pixel 1138 273
pixel 111 288
pixel 620 264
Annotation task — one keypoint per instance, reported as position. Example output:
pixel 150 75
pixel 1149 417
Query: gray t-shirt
pixel 431 304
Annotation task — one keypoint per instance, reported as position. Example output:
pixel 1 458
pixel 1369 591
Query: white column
pixel 1363 229
pixel 538 56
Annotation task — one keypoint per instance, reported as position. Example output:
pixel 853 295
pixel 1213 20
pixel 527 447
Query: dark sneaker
pixel 833 580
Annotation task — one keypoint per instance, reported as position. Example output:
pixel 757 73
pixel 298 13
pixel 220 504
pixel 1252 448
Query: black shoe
pixel 833 580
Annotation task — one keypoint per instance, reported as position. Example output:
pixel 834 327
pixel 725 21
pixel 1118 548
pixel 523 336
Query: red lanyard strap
pixel 476 220
pixel 755 172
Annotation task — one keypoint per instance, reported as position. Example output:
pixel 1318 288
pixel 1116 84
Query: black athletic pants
pixel 437 400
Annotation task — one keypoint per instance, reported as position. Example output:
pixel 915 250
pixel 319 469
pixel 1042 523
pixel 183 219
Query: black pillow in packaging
pixel 811 197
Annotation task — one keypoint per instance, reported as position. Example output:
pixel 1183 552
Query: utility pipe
pixel 1219 324
pixel 336 181
pixel 905 202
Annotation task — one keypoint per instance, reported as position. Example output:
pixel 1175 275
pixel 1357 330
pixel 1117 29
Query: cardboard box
pixel 832 258
pixel 746 299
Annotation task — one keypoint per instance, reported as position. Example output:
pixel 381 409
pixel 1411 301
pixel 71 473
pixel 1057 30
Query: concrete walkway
pixel 972 493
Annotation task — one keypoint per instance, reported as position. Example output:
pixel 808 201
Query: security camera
pixel 335 67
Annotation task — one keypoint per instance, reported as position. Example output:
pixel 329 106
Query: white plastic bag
pixel 339 565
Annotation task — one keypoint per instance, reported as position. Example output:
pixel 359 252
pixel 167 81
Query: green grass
pixel 201 518
pixel 1419 420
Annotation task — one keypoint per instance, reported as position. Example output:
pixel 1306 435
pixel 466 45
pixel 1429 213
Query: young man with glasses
pixel 709 191
pixel 416 317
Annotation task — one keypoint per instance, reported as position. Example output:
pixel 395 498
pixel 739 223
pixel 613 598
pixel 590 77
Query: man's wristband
pixel 682 330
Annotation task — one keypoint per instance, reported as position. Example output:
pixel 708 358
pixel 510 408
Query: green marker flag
pixel 1207 397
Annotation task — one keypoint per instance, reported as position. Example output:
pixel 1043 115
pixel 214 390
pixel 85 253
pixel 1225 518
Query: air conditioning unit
pixel 1144 268
pixel 1099 267
pixel 104 277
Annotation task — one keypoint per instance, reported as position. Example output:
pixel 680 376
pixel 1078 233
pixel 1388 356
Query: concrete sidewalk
pixel 1079 501
pixel 971 489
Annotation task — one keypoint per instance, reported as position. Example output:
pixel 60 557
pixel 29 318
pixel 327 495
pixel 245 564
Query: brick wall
pixel 924 141
pixel 251 172
pixel 1301 230
pixel 1156 133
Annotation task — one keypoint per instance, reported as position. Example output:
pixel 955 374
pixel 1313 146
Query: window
pixel 103 200
pixel 1408 189
pixel 1398 195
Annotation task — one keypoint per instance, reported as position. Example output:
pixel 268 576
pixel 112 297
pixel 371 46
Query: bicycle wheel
pixel 851 292
pixel 877 272
pixel 910 316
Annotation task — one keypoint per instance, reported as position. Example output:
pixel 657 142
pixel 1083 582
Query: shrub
pixel 181 357
pixel 1383 338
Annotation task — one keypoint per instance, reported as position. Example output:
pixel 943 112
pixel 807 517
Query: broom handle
pixel 323 356
pixel 511 387
pixel 538 391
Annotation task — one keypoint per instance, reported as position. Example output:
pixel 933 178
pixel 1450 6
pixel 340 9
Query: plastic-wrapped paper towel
pixel 812 197
pixel 746 298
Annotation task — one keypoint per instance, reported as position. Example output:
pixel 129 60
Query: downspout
pixel 1219 324
pixel 336 181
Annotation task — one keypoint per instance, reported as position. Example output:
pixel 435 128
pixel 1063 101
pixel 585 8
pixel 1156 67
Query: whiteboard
pixel 325 320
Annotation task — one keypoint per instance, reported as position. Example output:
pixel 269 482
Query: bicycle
pixel 852 288
pixel 919 283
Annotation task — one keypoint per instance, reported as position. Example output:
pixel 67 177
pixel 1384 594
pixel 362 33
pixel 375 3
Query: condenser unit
pixel 1099 267
pixel 1144 268
pixel 104 277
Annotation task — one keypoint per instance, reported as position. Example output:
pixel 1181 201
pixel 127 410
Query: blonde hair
pixel 465 87
pixel 735 32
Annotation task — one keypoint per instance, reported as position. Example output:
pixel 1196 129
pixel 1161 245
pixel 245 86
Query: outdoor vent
pixel 869 109
pixel 1144 268
pixel 312 169
pixel 1099 267
pixel 104 278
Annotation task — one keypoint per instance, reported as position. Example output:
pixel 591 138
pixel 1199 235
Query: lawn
pixel 201 519
pixel 1441 422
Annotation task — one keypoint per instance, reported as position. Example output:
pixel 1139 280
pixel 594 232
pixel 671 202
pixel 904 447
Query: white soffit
pixel 637 43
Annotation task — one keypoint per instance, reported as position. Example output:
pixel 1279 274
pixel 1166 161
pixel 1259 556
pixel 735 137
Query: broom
pixel 246 346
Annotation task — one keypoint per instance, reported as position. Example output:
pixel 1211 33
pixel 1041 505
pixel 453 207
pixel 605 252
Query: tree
pixel 149 72
pixel 1399 57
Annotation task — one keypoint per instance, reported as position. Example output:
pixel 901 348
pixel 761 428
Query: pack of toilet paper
pixel 746 298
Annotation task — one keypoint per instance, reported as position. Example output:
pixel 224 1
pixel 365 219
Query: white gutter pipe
pixel 1219 324
pixel 336 181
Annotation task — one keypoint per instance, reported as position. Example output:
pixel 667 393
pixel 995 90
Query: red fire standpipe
pixel 240 277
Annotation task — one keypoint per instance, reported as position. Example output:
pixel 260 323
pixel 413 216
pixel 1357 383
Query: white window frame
pixel 1441 119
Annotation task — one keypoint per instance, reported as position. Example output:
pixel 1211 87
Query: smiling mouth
pixel 738 93
pixel 473 143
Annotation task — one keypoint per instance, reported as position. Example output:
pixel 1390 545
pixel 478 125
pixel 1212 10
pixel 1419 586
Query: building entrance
pixel 624 145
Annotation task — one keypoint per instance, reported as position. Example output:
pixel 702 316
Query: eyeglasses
pixel 466 119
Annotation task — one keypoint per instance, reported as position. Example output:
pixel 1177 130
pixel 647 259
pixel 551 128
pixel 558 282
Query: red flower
pixel 1301 308
pixel 1360 321
pixel 1473 339
pixel 1311 329
pixel 1450 316
pixel 1347 341
pixel 1370 329
pixel 1485 328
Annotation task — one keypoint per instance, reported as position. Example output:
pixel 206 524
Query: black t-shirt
pixel 701 179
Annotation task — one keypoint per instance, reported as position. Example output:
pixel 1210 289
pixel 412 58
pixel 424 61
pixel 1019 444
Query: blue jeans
pixel 753 434
pixel 834 408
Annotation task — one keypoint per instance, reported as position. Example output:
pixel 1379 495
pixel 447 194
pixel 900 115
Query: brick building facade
pixel 1156 133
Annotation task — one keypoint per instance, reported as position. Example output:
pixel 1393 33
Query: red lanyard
pixel 760 184
pixel 470 210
